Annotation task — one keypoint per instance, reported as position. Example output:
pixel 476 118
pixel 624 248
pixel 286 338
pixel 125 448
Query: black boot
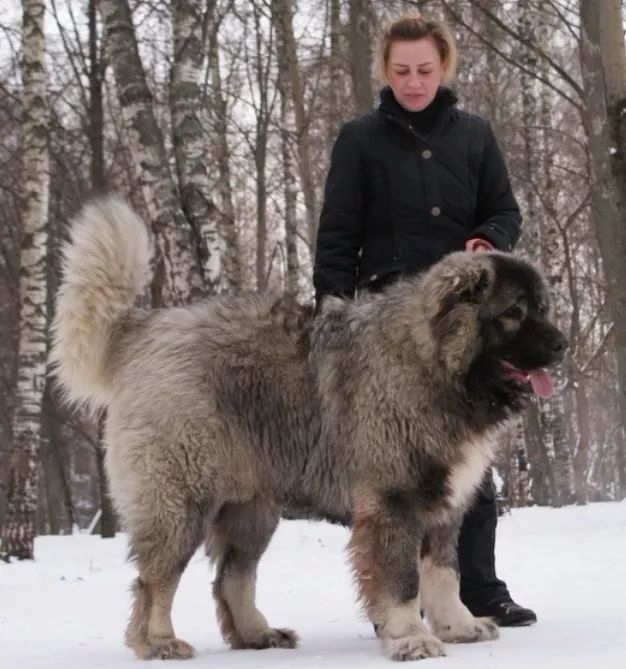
pixel 506 613
pixel 482 591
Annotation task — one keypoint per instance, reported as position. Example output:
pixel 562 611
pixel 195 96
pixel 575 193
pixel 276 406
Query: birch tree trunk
pixel 108 519
pixel 290 194
pixel 361 55
pixel 20 522
pixel 581 454
pixel 554 434
pixel 231 263
pixel 190 149
pixel 55 447
pixel 519 449
pixel 604 118
pixel 543 481
pixel 178 246
pixel 282 16
pixel 613 53
pixel 530 115
pixel 97 68
pixel 260 160
pixel 620 458
pixel 579 383
pixel 551 260
pixel 96 109
pixel 495 71
pixel 539 228
pixel 259 148
pixel 335 114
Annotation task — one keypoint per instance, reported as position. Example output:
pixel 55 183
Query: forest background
pixel 216 119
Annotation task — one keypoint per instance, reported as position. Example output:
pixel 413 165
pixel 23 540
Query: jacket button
pixel 435 211
pixel 426 153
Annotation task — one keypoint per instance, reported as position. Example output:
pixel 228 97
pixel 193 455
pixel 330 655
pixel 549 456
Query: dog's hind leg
pixel 449 618
pixel 162 550
pixel 239 537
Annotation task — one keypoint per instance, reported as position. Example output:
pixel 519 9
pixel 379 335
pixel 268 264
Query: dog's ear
pixel 459 278
pixel 472 286
pixel 455 288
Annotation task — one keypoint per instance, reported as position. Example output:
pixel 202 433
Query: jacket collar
pixel 445 101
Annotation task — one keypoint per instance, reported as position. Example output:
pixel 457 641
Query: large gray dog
pixel 380 412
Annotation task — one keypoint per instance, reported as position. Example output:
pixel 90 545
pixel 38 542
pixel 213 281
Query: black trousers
pixel 477 541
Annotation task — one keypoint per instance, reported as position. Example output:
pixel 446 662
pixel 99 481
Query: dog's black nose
pixel 559 343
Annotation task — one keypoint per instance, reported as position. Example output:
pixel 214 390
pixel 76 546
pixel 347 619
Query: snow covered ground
pixel 68 609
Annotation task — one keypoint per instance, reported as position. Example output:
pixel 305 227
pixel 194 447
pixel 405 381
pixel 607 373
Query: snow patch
pixel 69 608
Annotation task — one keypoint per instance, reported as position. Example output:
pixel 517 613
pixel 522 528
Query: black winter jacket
pixel 397 201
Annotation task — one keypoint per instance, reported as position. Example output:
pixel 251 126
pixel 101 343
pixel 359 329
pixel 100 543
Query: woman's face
pixel 415 72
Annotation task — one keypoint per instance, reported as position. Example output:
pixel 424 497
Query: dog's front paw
pixel 170 649
pixel 469 631
pixel 273 638
pixel 414 647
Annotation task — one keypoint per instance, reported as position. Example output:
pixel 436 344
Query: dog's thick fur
pixel 379 412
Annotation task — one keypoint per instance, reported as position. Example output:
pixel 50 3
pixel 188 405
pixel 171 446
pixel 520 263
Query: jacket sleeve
pixel 498 217
pixel 340 233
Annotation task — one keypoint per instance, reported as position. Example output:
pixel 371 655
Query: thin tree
pixel 259 68
pixel 554 419
pixel 360 40
pixel 97 67
pixel 20 523
pixel 292 264
pixel 335 113
pixel 231 274
pixel 602 56
pixel 189 25
pixel 289 69
pixel 179 247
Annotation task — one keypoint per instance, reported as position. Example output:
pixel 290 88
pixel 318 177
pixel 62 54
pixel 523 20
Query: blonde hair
pixel 411 27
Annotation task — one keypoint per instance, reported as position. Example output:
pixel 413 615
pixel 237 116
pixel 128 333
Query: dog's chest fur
pixel 475 456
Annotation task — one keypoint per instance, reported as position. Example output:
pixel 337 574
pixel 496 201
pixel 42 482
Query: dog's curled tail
pixel 105 266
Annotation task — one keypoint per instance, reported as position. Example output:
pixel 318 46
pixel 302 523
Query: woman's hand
pixel 477 244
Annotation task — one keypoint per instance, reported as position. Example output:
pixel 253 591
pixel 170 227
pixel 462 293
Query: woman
pixel 408 183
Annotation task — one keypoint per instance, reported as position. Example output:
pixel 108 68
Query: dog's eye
pixel 515 313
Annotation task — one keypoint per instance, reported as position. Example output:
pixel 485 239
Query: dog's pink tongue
pixel 541 382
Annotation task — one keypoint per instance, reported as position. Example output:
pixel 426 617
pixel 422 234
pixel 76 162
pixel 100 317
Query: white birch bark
pixel 20 522
pixel 541 229
pixel 188 121
pixel 177 244
pixel 231 275
pixel 520 453
pixel 552 260
pixel 543 479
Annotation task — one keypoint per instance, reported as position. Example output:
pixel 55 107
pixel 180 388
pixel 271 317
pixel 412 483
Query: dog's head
pixel 489 316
